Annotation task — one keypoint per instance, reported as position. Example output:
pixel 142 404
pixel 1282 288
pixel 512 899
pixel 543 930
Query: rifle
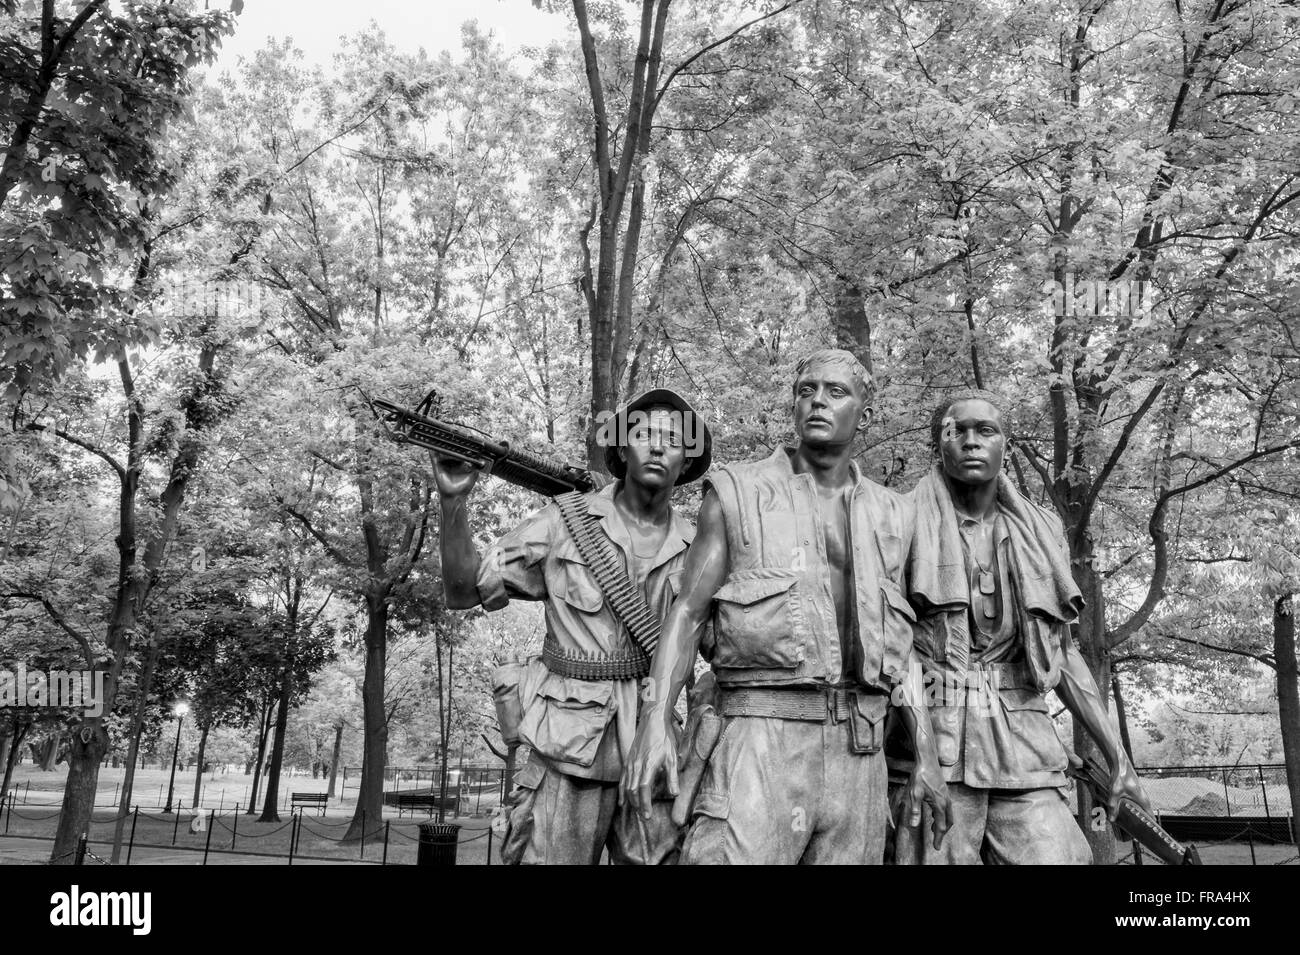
pixel 1135 820
pixel 464 443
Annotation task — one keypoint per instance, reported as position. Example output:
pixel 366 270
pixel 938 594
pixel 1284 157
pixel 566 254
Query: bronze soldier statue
pixel 990 575
pixel 799 562
pixel 579 701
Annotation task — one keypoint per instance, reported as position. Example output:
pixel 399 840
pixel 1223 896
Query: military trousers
pixel 787 791
pixel 997 827
pixel 559 819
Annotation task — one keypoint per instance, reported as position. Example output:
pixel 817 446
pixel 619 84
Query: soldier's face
pixel 655 452
pixel 972 442
pixel 829 407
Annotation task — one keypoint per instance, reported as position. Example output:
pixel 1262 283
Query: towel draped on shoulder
pixel 1048 598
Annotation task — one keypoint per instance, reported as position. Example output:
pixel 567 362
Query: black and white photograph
pixel 650 432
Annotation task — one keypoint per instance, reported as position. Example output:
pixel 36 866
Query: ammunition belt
pixel 629 664
pixel 624 599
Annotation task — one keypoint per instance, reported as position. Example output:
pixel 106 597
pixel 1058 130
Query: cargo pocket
pixel 706 840
pixel 867 723
pixel 712 804
pixel 899 620
pixel 756 621
pixel 1033 739
pixel 518 812
pixel 566 718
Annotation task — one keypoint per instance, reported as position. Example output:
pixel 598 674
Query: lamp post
pixel 180 709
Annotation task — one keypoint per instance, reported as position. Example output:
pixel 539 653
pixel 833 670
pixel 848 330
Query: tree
pixel 619 170
pixel 80 173
pixel 304 646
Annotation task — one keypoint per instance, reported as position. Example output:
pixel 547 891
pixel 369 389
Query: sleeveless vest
pixel 774 619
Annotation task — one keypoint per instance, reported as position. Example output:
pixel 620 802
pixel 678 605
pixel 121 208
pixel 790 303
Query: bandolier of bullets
pixel 629 606
pixel 629 664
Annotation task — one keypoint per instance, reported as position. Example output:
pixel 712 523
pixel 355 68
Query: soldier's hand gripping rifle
pixel 421 428
pixel 1133 819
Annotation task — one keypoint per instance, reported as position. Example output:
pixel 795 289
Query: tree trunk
pixel 50 752
pixel 1288 700
pixel 370 797
pixel 198 772
pixel 15 740
pixel 334 760
pixel 269 811
pixel 86 751
pixel 851 325
pixel 133 751
pixel 263 728
pixel 135 578
pixel 609 292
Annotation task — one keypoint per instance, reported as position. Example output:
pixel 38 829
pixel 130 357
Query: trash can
pixel 438 843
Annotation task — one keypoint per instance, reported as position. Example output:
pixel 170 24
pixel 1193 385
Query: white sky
pixel 316 25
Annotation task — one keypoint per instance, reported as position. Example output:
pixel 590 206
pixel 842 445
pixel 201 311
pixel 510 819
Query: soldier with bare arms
pixel 799 561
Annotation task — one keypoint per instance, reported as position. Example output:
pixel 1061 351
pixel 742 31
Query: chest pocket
pixel 571 580
pixel 891 552
pixel 757 622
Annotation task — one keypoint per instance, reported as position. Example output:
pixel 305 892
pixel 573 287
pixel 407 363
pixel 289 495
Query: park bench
pixel 417 801
pixel 319 800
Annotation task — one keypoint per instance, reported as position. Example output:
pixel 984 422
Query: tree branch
pixel 1159 539
pixel 84 445
pixel 714 45
pixel 59 619
pixel 1117 452
pixel 1264 658
pixel 325 542
pixel 597 89
pixel 74 27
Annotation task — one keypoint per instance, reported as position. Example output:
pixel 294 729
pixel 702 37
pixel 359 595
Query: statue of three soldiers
pixel 834 613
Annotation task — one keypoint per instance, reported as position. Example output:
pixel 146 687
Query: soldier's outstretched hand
pixel 1124 785
pixel 926 787
pixel 652 751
